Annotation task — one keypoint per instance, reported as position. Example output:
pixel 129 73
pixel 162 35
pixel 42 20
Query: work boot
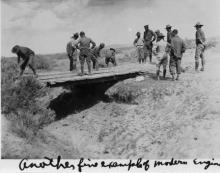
pixel 164 73
pixel 177 77
pixel 196 66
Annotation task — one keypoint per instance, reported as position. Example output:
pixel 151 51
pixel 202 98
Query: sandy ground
pixel 172 119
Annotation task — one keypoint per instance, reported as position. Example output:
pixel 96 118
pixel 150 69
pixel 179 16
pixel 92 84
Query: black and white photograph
pixel 110 79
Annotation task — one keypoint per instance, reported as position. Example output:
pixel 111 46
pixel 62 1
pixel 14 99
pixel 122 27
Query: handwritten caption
pixel 88 163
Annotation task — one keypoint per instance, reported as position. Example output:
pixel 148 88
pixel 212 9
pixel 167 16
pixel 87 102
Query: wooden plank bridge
pixel 56 78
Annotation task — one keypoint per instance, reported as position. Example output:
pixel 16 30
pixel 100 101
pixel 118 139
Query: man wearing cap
pixel 84 44
pixel 149 38
pixel 169 33
pixel 200 46
pixel 96 54
pixel 161 51
pixel 27 55
pixel 71 50
pixel 177 49
pixel 139 43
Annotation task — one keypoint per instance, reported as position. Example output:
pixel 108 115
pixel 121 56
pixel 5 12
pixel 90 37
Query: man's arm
pixel 168 47
pixel 135 41
pixel 183 47
pixel 19 58
pixel 154 36
pixel 77 43
pixel 93 43
pixel 144 35
pixel 154 50
pixel 203 40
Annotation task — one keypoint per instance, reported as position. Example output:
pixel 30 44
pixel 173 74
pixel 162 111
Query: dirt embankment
pixel 165 119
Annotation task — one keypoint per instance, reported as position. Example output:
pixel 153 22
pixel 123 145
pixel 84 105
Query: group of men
pixel 170 50
pixel 89 52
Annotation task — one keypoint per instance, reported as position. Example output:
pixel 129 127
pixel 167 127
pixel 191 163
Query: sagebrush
pixel 20 101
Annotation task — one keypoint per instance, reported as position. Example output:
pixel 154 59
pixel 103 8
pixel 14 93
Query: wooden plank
pixel 104 74
pixel 75 78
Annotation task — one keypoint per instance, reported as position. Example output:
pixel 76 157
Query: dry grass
pixel 125 92
pixel 20 101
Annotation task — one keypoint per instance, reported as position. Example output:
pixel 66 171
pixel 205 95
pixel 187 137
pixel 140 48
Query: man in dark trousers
pixel 149 38
pixel 177 49
pixel 84 44
pixel 28 58
pixel 71 51
pixel 200 46
pixel 169 33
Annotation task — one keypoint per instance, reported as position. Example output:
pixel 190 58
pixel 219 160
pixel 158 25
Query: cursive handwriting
pixel 172 162
pixel 131 164
pixel 82 164
pixel 139 163
pixel 207 163
pixel 49 162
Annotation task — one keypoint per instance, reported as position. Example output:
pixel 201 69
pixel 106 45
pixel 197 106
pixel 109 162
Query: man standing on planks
pixel 85 51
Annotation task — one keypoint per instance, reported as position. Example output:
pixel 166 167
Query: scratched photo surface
pixel 78 80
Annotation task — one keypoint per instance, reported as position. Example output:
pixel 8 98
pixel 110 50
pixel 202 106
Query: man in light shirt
pixel 161 51
pixel 139 43
pixel 200 47
pixel 84 44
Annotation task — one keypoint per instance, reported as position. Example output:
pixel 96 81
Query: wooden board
pixel 56 78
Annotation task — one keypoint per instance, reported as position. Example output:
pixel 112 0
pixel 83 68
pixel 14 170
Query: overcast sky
pixel 46 25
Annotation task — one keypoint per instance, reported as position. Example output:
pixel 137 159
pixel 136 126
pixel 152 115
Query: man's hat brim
pixel 198 25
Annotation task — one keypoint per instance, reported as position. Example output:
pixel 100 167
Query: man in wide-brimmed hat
pixel 160 50
pixel 71 50
pixel 149 38
pixel 200 46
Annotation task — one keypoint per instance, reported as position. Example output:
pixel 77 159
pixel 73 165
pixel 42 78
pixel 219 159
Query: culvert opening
pixel 79 98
